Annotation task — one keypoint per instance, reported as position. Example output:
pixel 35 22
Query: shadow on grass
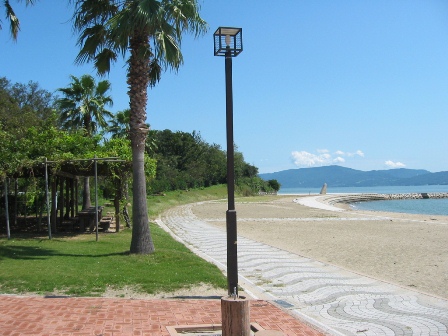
pixel 38 253
pixel 44 236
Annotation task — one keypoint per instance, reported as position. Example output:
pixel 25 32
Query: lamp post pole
pixel 232 246
pixel 228 42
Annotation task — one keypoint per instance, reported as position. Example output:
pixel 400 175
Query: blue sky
pixel 361 84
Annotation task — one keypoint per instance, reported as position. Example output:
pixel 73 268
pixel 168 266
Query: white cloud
pixel 357 153
pixel 360 153
pixel 392 164
pixel 322 157
pixel 342 153
pixel 305 159
pixel 339 160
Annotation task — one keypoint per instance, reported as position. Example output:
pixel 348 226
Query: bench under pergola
pixel 65 177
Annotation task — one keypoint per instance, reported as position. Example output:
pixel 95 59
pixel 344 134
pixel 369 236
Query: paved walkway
pixel 334 300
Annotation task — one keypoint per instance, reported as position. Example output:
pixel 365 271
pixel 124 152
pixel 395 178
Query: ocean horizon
pixel 412 206
pixel 367 190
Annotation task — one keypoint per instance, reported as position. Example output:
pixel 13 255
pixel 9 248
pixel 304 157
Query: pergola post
pixel 76 195
pixel 118 196
pixel 61 199
pixel 72 198
pixel 25 207
pixel 53 203
pixel 67 198
pixel 5 186
pixel 47 199
pixel 117 213
pixel 96 196
pixel 16 193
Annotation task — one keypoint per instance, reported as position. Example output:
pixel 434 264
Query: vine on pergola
pixel 24 156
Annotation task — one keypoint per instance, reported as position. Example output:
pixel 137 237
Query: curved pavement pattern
pixel 334 300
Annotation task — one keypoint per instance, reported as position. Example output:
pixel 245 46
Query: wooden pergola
pixel 65 177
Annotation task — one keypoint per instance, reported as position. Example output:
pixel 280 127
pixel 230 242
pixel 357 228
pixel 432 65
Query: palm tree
pixel 84 104
pixel 119 128
pixel 148 33
pixel 14 23
pixel 84 107
pixel 119 125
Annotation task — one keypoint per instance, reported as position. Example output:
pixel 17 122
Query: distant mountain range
pixel 337 176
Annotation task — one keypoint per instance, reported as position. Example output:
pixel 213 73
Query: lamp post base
pixel 235 316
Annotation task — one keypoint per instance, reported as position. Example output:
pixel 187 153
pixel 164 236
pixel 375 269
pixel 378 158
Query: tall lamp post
pixel 229 43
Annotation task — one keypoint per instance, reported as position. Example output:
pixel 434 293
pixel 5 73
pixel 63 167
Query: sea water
pixel 437 206
pixel 414 206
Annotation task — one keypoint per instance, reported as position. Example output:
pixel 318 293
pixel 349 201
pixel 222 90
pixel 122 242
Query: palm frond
pixel 92 12
pixel 106 28
pixel 92 38
pixel 168 50
pixel 121 27
pixel 155 72
pixel 14 23
pixel 102 88
pixel 88 84
pixel 103 61
pixel 184 15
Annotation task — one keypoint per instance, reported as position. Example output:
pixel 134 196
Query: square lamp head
pixel 228 41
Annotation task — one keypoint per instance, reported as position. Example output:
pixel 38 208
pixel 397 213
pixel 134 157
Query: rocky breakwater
pixel 414 196
pixel 353 198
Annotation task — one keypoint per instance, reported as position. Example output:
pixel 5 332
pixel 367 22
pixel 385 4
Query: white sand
pixel 408 250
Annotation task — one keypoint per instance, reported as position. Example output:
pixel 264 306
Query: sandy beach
pixel 403 249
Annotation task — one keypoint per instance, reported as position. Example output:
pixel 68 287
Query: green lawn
pixel 79 265
pixel 158 204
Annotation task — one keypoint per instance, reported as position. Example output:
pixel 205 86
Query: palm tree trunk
pixel 141 242
pixel 138 80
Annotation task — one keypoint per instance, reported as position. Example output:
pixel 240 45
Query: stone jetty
pixel 352 198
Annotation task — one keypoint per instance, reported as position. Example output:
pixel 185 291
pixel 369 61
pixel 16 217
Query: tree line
pixel 36 124
pixel 185 160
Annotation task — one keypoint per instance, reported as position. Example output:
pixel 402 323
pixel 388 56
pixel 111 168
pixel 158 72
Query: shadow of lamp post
pixel 228 42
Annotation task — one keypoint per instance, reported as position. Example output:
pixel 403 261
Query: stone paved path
pixel 335 300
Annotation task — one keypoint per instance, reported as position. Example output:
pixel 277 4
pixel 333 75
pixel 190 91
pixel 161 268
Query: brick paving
pixel 39 316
